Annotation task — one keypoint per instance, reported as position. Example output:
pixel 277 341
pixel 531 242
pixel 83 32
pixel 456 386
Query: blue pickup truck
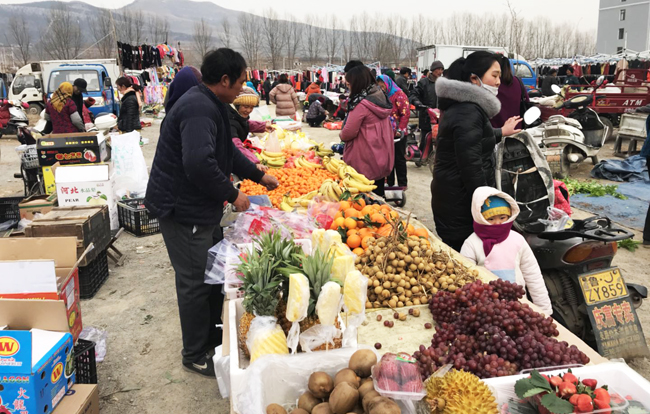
pixel 525 72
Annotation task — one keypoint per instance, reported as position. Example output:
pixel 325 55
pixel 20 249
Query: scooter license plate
pixel 602 286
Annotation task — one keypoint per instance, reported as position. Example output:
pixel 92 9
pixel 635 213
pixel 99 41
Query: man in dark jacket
pixel 424 96
pixel 571 79
pixel 188 187
pixel 266 87
pixel 78 89
pixel 550 80
pixel 402 79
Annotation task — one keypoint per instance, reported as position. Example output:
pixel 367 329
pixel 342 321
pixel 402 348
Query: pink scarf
pixel 492 234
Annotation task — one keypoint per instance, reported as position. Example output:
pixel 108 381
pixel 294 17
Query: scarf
pixel 61 96
pixel 492 234
pixel 356 99
pixel 391 87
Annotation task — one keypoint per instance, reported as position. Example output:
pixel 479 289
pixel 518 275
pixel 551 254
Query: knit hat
pixel 247 97
pixel 495 206
pixel 437 65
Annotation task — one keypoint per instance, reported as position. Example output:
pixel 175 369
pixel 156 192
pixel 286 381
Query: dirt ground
pixel 142 372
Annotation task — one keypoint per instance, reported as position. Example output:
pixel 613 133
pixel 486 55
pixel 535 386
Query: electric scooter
pixel 413 152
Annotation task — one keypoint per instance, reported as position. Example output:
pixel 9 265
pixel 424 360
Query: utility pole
pixel 117 52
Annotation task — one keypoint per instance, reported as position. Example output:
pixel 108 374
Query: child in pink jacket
pixel 502 251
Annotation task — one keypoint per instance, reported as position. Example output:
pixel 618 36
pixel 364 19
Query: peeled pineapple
pixel 330 238
pixel 329 303
pixel 266 337
pixel 342 266
pixel 355 292
pixel 298 301
pixel 317 239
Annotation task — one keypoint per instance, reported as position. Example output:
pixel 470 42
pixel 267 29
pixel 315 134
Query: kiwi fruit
pixel 322 408
pixel 343 398
pixel 364 380
pixel 346 375
pixel 362 361
pixel 299 411
pixel 307 402
pixel 275 409
pixel 365 388
pixel 320 384
pixel 368 397
pixel 383 405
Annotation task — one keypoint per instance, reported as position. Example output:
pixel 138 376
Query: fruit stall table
pixel 409 332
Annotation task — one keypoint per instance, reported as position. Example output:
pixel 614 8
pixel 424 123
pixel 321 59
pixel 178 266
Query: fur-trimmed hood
pixel 452 91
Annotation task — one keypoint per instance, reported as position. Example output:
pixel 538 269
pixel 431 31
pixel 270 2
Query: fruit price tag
pixel 616 326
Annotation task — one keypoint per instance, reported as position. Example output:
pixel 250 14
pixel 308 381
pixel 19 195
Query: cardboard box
pixel 88 185
pixel 43 269
pixel 36 204
pixel 87 224
pixel 36 355
pixel 48 178
pixel 71 149
pixel 81 399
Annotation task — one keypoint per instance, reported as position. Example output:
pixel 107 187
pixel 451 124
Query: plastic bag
pixel 222 371
pixel 131 174
pixel 558 220
pixel 266 337
pixel 223 259
pixel 99 337
pixel 263 386
pixel 328 307
pixel 355 294
pixel 273 143
pixel 322 213
pixel 261 113
pixel 297 307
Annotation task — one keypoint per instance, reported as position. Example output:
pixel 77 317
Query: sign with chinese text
pixel 615 323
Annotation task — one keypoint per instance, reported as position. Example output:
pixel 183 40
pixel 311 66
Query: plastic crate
pixel 93 276
pixel 135 219
pixel 9 209
pixel 86 365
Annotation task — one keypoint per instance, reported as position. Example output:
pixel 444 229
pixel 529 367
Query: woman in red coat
pixel 400 114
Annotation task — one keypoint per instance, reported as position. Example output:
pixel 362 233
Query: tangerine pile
pixel 362 223
pixel 294 181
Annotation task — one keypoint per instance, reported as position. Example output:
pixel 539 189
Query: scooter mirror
pixel 600 80
pixel 556 89
pixel 532 115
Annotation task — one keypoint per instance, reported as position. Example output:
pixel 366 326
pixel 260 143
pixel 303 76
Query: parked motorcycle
pixel 577 250
pixel 569 140
pixel 17 117
pixel 413 152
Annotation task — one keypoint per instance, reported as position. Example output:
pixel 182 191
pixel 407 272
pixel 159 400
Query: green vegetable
pixel 629 244
pixel 593 188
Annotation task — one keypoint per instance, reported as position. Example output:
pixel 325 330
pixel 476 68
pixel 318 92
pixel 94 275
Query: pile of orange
pixel 361 222
pixel 293 181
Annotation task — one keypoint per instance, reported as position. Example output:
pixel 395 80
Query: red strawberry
pixel 585 403
pixel 602 405
pixel 546 377
pixel 569 377
pixel 574 399
pixel 567 389
pixel 388 384
pixel 591 383
pixel 413 386
pixel 556 381
pixel 603 395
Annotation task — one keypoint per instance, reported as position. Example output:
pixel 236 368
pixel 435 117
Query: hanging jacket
pixel 190 175
pixel 512 259
pixel 286 100
pixel 368 136
pixel 129 119
pixel 464 157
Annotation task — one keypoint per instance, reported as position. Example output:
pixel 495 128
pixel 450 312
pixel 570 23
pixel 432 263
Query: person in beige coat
pixel 285 98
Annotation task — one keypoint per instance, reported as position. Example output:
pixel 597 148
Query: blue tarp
pixel 631 169
pixel 630 213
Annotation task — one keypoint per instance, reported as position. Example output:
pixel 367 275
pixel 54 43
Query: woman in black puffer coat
pixel 129 119
pixel 464 157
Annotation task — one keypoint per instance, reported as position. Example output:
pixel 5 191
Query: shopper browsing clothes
pixel 367 132
pixel 501 250
pixel 188 186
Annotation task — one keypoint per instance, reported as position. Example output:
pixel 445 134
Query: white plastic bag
pixel 355 294
pixel 297 307
pixel 222 371
pixel 223 259
pixel 266 337
pixel 273 143
pixel 558 220
pixel 131 174
pixel 260 114
pixel 99 337
pixel 328 308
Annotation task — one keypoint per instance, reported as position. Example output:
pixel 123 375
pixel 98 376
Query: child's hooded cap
pixel 481 194
pixel 495 206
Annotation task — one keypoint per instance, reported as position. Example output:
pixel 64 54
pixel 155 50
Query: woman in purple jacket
pixel 367 130
pixel 512 93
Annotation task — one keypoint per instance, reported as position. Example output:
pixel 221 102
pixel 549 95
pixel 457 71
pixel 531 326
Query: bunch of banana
pixel 330 190
pixel 321 151
pixel 272 159
pixel 333 165
pixel 352 182
pixel 289 204
pixel 347 171
pixel 303 162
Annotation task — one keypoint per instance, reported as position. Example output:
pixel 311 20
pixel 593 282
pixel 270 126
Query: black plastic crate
pixel 9 208
pixel 135 219
pixel 86 365
pixel 93 276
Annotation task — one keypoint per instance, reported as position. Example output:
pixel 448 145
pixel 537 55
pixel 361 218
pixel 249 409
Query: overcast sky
pixel 571 12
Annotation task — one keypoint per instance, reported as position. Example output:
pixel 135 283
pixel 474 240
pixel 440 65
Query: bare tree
pixel 313 39
pixel 249 39
pixel 332 37
pixel 272 30
pixel 202 37
pixel 293 32
pixel 131 27
pixel 62 37
pixel 348 42
pixel 158 29
pixel 102 29
pixel 226 33
pixel 20 36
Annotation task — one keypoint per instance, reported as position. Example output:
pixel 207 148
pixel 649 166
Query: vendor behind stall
pixel 242 125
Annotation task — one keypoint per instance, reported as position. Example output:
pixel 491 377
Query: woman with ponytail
pixel 464 158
